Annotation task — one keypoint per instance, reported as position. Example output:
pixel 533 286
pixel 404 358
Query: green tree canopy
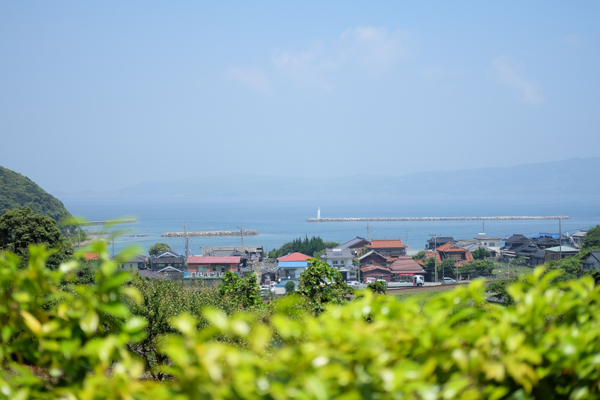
pixel 311 247
pixel 592 239
pixel 419 256
pixel 21 228
pixel 481 254
pixel 159 248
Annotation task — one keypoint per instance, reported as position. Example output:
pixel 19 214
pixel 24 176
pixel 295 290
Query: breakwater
pixel 513 218
pixel 248 232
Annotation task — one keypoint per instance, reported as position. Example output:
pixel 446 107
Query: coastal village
pixel 361 261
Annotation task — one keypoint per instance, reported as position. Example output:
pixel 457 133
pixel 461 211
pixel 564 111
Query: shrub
pixel 455 346
pixel 243 291
pixel 289 287
pixel 378 287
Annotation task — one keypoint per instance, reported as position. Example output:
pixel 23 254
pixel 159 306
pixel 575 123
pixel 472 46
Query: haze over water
pixel 279 220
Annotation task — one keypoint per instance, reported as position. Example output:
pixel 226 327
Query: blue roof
pixel 293 264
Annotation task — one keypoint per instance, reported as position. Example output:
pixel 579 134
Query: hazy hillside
pixel 17 191
pixel 574 176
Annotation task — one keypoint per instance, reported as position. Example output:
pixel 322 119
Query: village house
pixel 560 252
pixel 291 266
pixel 249 253
pixel 354 245
pixel 388 248
pixel 592 261
pixel 168 263
pixel 375 265
pixel 577 236
pixel 135 263
pixel 439 241
pixel 341 259
pixel 212 267
pixel 404 268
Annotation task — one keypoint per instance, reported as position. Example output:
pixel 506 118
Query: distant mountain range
pixel 575 176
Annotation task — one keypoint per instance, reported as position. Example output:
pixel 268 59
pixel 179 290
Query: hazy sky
pixel 102 95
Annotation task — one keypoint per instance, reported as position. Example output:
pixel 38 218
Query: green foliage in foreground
pixel 75 344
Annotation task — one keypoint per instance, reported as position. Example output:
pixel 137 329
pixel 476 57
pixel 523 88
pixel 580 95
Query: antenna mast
pixel 368 232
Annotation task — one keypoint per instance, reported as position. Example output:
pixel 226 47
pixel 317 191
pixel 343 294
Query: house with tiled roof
pixel 438 241
pixel 560 252
pixel 354 245
pixel 405 267
pixel 375 265
pixel 388 248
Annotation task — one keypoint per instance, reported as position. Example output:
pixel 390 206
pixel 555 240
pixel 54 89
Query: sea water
pixel 279 220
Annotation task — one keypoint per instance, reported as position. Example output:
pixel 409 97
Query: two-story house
pixel 341 259
pixel 212 267
pixel 388 248
pixel 375 265
pixel 168 263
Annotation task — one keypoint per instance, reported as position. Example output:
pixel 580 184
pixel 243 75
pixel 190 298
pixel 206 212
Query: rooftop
pixel 567 249
pixel 294 257
pixel 407 265
pixel 386 244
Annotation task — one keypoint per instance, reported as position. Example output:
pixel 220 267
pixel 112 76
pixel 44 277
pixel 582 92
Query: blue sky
pixel 109 94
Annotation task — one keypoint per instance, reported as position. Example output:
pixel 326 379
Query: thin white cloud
pixel 368 49
pixel 252 77
pixel 572 39
pixel 506 72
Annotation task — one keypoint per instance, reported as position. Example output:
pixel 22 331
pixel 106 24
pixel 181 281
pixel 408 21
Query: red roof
pixel 406 265
pixel 91 256
pixel 386 244
pixel 214 260
pixel 295 257
pixel 429 254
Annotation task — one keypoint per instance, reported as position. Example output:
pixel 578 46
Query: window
pixel 342 262
pixel 370 263
pixel 335 263
pixel 130 266
pixel 552 256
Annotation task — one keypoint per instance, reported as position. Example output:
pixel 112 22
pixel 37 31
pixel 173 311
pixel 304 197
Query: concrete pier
pixel 410 219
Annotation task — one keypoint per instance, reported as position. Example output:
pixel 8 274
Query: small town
pixel 362 261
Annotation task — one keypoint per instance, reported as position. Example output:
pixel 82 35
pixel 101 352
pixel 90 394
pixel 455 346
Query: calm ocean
pixel 281 220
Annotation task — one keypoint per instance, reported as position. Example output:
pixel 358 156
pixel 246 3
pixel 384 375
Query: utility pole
pixel 368 233
pixel 434 237
pixel 242 234
pixel 187 242
pixel 559 239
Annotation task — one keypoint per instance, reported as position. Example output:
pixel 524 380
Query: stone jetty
pixel 408 219
pixel 248 232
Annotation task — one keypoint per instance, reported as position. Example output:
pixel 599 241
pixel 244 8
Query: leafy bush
pixel 243 291
pixel 378 287
pixel 322 284
pixel 289 287
pixel 455 346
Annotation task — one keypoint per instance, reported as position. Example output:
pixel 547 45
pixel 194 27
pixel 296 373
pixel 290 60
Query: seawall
pixel 211 233
pixel 436 219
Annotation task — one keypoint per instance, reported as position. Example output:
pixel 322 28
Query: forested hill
pixel 17 191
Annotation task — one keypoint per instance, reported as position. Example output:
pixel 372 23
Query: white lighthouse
pixel 318 212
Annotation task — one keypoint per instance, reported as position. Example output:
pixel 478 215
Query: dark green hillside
pixel 17 191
